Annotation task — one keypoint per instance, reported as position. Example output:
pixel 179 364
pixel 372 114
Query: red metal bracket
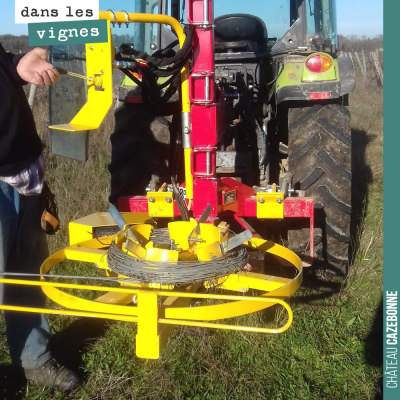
pixel 207 89
pixel 199 7
pixel 205 157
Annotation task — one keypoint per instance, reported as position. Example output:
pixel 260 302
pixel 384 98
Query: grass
pixel 332 350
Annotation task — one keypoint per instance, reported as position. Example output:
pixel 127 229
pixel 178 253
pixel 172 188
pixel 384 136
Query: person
pixel 23 245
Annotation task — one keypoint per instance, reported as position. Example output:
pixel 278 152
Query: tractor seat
pixel 240 33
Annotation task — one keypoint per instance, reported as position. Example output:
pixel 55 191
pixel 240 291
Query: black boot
pixel 53 375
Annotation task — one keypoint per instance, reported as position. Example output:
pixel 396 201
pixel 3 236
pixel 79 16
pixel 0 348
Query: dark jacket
pixel 19 142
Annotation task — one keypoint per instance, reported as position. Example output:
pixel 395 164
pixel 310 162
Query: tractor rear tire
pixel 319 157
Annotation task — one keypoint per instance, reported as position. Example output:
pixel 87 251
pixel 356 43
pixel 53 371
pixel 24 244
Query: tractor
pixel 231 127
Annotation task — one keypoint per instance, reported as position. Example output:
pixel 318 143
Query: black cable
pixel 163 63
pixel 288 52
pixel 274 80
pixel 281 66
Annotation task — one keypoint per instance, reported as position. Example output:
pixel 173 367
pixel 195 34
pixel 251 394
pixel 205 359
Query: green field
pixel 332 351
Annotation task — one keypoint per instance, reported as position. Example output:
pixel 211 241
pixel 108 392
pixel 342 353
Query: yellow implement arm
pixel 99 63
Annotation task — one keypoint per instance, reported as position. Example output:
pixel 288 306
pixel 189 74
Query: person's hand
pixel 34 68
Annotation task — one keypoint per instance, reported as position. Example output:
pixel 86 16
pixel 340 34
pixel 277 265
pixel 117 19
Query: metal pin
pixel 208 163
pixel 206 13
pixel 207 88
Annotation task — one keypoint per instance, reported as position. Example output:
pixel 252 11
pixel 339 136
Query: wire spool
pixel 160 236
pixel 177 273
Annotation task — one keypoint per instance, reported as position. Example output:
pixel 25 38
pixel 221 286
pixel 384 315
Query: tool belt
pixel 49 221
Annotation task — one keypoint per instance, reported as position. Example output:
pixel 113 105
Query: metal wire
pixel 177 273
pixel 94 278
pixel 144 271
pixel 160 236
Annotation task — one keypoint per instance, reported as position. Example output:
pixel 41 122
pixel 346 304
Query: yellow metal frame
pixel 155 322
pixel 83 229
pixel 99 58
pixel 188 173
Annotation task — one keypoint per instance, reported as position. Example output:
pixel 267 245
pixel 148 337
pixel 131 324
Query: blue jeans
pixel 23 248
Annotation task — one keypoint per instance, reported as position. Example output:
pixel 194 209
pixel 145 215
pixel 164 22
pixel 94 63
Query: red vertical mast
pixel 204 98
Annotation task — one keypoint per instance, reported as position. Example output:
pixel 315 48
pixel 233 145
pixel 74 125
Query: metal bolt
pixel 185 129
pixel 261 200
pixel 151 199
pixel 102 71
pixel 169 200
pixel 91 47
pixel 279 200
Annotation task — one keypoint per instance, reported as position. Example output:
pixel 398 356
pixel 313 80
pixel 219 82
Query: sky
pixel 359 17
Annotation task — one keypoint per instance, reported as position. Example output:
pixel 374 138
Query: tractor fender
pixel 347 75
pixel 344 83
pixel 303 90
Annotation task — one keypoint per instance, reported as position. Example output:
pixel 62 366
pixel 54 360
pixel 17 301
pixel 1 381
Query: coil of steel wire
pixel 177 273
pixel 160 236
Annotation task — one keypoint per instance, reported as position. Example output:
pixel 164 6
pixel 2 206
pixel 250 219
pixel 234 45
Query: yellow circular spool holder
pixel 140 302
